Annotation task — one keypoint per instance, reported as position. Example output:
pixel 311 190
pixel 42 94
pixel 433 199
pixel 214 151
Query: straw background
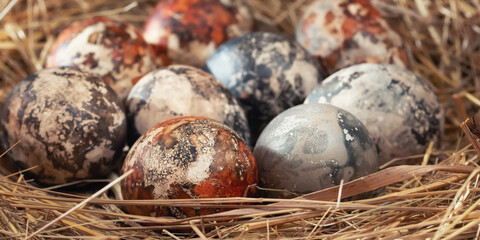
pixel 433 195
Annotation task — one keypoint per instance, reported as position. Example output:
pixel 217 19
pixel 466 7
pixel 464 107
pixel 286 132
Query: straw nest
pixel 434 195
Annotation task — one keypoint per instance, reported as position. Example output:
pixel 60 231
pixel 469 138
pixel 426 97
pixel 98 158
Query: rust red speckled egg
pixel 188 157
pixel 188 31
pixel 347 32
pixel 180 90
pixel 69 123
pixel 116 51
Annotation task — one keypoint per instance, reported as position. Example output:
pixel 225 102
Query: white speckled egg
pixel 400 110
pixel 311 147
pixel 69 123
pixel 267 72
pixel 347 32
pixel 179 90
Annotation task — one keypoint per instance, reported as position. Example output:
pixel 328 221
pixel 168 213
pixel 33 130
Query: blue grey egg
pixel 400 110
pixel 267 72
pixel 311 147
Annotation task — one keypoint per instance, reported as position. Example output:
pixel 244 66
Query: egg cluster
pixel 193 93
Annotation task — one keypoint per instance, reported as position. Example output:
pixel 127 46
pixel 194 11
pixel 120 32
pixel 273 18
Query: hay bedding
pixel 434 196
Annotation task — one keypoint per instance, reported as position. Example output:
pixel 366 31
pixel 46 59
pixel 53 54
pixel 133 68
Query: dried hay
pixel 435 197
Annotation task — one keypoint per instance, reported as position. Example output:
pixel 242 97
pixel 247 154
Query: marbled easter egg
pixel 185 158
pixel 347 32
pixel 189 31
pixel 311 147
pixel 400 110
pixel 115 51
pixel 267 72
pixel 69 124
pixel 180 90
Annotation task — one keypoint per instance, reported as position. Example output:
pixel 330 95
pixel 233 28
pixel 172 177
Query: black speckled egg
pixel 69 123
pixel 311 147
pixel 267 72
pixel 180 90
pixel 400 110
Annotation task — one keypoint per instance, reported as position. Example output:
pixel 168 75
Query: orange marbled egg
pixel 348 32
pixel 188 31
pixel 184 158
pixel 115 51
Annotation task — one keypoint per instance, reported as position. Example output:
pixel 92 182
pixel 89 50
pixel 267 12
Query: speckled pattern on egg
pixel 400 110
pixel 267 72
pixel 347 32
pixel 180 90
pixel 69 123
pixel 189 31
pixel 311 147
pixel 116 51
pixel 187 157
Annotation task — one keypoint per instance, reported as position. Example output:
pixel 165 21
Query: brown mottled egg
pixel 180 90
pixel 115 51
pixel 187 157
pixel 347 32
pixel 188 31
pixel 69 123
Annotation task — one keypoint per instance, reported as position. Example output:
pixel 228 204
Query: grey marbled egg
pixel 400 110
pixel 69 123
pixel 267 72
pixel 180 90
pixel 311 147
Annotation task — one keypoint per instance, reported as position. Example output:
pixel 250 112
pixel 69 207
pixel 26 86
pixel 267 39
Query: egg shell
pixel 115 51
pixel 243 13
pixel 69 123
pixel 180 90
pixel 310 147
pixel 347 32
pixel 189 31
pixel 184 158
pixel 267 72
pixel 400 110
